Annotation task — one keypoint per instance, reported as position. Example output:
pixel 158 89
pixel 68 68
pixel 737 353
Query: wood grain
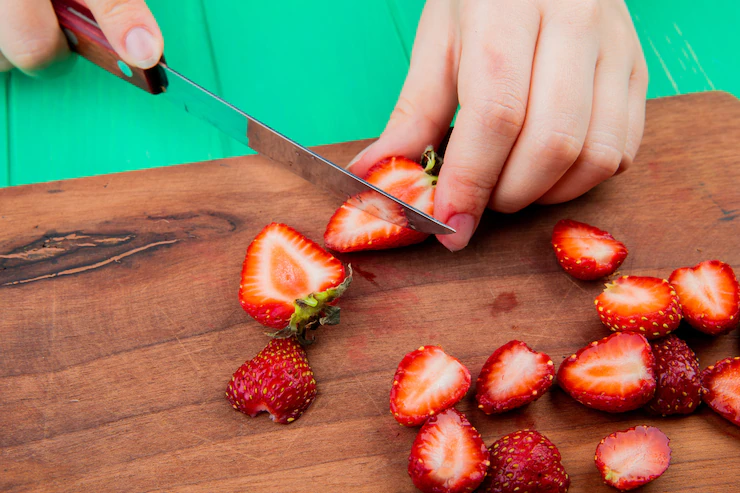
pixel 120 322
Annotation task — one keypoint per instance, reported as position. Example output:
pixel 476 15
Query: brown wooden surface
pixel 120 325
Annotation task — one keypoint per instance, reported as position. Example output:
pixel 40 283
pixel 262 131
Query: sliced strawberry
pixel 278 380
pixel 647 305
pixel 448 455
pixel 586 252
pixel 614 374
pixel 678 377
pixel 289 282
pixel 427 382
pixel 351 229
pixel 709 295
pixel 513 376
pixel 631 458
pixel 721 388
pixel 525 461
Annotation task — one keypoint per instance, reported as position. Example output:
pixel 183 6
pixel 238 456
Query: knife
pixel 87 39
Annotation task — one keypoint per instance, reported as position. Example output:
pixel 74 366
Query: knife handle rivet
pixel 125 69
pixel 71 37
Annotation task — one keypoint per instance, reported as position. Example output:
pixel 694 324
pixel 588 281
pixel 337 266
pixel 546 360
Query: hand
pixel 30 37
pixel 551 95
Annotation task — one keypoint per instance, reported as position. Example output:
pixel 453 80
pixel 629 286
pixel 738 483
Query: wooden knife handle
pixel 87 39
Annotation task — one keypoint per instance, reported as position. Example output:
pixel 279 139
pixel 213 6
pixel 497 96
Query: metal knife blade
pixel 300 160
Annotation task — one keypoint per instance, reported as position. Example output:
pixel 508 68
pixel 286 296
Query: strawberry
pixel 351 229
pixel 631 458
pixel 427 381
pixel 709 295
pixel 586 252
pixel 513 376
pixel 678 378
pixel 290 283
pixel 525 461
pixel 448 455
pixel 614 374
pixel 647 305
pixel 278 380
pixel 721 388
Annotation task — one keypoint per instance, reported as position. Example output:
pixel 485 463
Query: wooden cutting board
pixel 120 325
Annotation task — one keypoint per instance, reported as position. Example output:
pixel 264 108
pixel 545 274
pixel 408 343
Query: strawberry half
pixel 647 305
pixel 631 458
pixel 586 252
pixel 513 376
pixel 290 283
pixel 448 455
pixel 278 380
pixel 721 388
pixel 614 374
pixel 678 377
pixel 709 295
pixel 351 229
pixel 526 461
pixel 427 381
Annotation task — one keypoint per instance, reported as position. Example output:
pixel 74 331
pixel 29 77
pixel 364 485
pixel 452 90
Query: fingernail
pixel 359 156
pixel 464 225
pixel 140 46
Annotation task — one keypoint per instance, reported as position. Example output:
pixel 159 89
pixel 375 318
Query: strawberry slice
pixel 290 283
pixel 721 388
pixel 525 461
pixel 278 380
pixel 647 305
pixel 631 458
pixel 514 375
pixel 614 374
pixel 586 252
pixel 678 377
pixel 448 455
pixel 351 229
pixel 427 381
pixel 709 295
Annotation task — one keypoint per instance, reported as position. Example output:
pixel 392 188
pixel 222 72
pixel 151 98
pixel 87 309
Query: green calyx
pixel 313 311
pixel 432 163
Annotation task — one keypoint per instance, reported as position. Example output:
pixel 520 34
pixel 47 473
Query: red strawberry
pixel 631 458
pixel 678 379
pixel 721 388
pixel 709 295
pixel 585 252
pixel 278 380
pixel 647 305
pixel 614 374
pixel 448 455
pixel 290 283
pixel 513 376
pixel 427 381
pixel 525 461
pixel 351 229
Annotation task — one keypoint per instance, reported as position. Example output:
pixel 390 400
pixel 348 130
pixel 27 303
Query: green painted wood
pixel 4 136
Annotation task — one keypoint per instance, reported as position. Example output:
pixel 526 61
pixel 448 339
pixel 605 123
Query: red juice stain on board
pixel 504 303
pixel 364 274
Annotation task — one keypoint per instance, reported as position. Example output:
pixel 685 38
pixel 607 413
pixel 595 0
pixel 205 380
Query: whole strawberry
pixel 678 377
pixel 278 380
pixel 525 461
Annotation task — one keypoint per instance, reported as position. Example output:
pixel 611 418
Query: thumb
pixel 428 99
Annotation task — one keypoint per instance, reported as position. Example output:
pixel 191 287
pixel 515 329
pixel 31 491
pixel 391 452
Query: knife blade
pixel 87 39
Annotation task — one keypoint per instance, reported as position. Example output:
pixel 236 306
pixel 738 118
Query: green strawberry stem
pixel 432 162
pixel 313 311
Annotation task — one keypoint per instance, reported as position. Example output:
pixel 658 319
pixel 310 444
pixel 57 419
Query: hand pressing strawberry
pixel 721 388
pixel 585 252
pixel 678 377
pixel 513 376
pixel 278 380
pixel 448 455
pixel 632 458
pixel 290 283
pixel 351 229
pixel 427 381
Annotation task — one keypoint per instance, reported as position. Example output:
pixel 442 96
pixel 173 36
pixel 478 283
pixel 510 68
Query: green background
pixel 321 72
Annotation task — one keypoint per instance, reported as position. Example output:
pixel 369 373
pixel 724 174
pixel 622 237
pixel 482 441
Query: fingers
pixel 30 38
pixel 559 108
pixel 131 30
pixel 428 99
